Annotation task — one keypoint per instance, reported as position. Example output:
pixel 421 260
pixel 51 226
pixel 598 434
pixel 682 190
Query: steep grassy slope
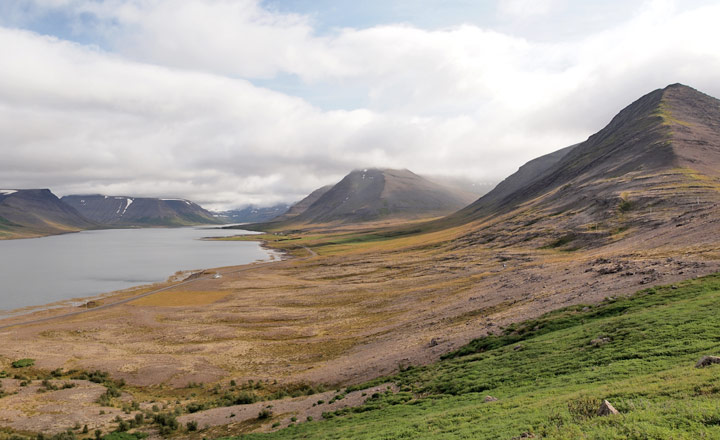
pixel 550 375
pixel 37 212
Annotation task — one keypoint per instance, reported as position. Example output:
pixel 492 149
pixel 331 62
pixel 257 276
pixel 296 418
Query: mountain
pixel 654 160
pixel 301 206
pixel 37 212
pixel 472 187
pixel 375 194
pixel 254 214
pixel 140 211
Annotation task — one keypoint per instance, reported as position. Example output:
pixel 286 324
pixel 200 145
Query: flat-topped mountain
pixel 655 159
pixel 36 212
pixel 140 211
pixel 375 194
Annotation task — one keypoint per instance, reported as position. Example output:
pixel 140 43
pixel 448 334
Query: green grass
pixel 625 205
pixel 22 363
pixel 547 372
pixel 367 237
pixel 6 224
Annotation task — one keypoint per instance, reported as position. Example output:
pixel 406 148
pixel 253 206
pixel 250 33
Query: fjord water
pixel 43 270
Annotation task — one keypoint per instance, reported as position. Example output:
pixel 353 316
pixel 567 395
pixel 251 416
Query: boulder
pixel 706 361
pixel 606 409
pixel 600 341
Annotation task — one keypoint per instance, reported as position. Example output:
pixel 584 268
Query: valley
pixel 342 220
pixel 612 240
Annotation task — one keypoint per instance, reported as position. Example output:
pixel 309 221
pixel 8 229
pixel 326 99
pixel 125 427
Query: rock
pixel 599 341
pixel 434 342
pixel 490 399
pixel 706 361
pixel 609 270
pixel 606 409
pixel 518 347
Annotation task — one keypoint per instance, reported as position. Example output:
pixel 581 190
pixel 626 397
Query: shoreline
pixel 88 300
pixel 85 304
pixel 107 228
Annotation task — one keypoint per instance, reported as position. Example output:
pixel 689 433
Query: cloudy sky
pixel 230 102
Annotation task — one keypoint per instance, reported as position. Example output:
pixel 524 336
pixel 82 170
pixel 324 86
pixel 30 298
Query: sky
pixel 237 102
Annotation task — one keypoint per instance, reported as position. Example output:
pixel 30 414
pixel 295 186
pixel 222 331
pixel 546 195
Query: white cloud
pixel 527 8
pixel 169 113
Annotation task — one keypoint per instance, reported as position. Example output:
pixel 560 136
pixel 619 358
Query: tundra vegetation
pixel 551 374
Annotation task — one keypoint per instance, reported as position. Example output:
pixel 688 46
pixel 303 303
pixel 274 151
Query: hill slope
pixel 655 161
pixel 140 211
pixel 550 376
pixel 37 212
pixel 301 206
pixel 373 194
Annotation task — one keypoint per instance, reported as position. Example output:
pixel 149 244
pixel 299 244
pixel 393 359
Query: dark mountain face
pixel 527 173
pixel 252 214
pixel 694 122
pixel 373 194
pixel 301 206
pixel 140 211
pixel 35 212
pixel 653 159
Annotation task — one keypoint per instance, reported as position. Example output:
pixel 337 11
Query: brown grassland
pixel 354 303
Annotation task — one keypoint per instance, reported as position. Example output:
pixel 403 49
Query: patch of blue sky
pixel 559 21
pixel 60 22
pixel 328 15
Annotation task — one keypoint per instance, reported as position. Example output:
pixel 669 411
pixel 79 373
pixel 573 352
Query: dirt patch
pixel 33 408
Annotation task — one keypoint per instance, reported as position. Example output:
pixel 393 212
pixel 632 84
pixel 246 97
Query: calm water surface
pixel 39 271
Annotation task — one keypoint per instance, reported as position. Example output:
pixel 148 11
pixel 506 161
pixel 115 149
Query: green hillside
pixel 551 374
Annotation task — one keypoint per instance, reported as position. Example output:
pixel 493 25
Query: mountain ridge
pixel 642 128
pixel 254 214
pixel 372 194
pixel 630 174
pixel 37 212
pixel 129 211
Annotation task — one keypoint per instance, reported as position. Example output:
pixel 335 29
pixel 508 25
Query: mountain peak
pixel 37 212
pixel 666 130
pixel 678 86
pixel 693 121
pixel 380 193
